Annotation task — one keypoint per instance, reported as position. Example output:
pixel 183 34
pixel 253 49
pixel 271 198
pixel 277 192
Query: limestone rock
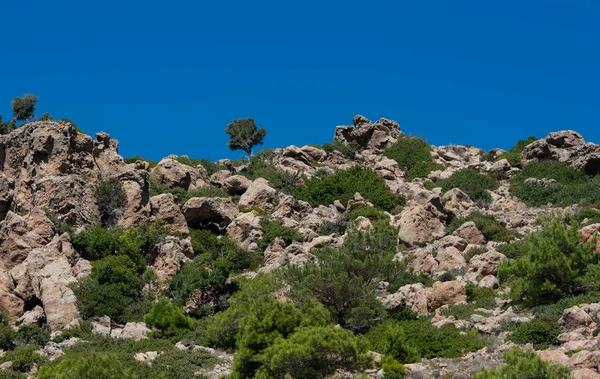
pixel 452 292
pixel 419 224
pixel 236 184
pixel 457 202
pixel 469 232
pixel 259 194
pixel 245 230
pixel 574 318
pixel 483 265
pixel 205 211
pixel 165 209
pixel 169 255
pixel 171 173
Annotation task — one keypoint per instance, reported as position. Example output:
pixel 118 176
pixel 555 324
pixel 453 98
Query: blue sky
pixel 167 77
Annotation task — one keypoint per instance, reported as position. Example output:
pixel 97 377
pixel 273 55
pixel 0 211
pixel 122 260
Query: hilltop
pixel 374 255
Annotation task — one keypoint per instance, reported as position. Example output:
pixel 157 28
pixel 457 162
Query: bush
pixel 570 186
pixel 114 288
pixel 182 364
pixel 94 365
pixel 541 334
pixel 372 213
pixel 555 264
pixel 337 228
pixel 272 229
pixel 392 369
pixel 342 185
pixel 525 364
pixel 412 340
pixel 491 229
pixel 414 155
pixel 553 312
pixel 24 357
pixel 314 353
pixel 513 155
pixel 135 242
pixel 111 200
pixel 7 334
pixel 168 318
pixel 514 249
pixel 462 311
pixel 346 280
pixel 484 297
pixel 346 149
pixel 471 182
pixel 216 259
pixel 4 374
pixel 389 339
pixel 31 334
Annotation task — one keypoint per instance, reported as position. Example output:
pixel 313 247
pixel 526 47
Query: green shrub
pixel 484 297
pixel 555 265
pixel 405 276
pixel 182 364
pixel 346 149
pixel 136 158
pixel 111 200
pixel 7 334
pixel 337 228
pixel 421 339
pixel 5 374
pixel 525 364
pixel 94 365
pixel 414 155
pixel 392 369
pixel 587 214
pixel 346 280
pixel 192 162
pixel 210 167
pixel 372 213
pixel 31 333
pixel 272 229
pixel 541 334
pixel 471 182
pixel 135 242
pixel 513 155
pixel 514 249
pixel 462 311
pixel 342 185
pixel 491 229
pixel 114 288
pixel 314 353
pixel 216 259
pixel 389 339
pixel 168 318
pixel 571 186
pixel 24 357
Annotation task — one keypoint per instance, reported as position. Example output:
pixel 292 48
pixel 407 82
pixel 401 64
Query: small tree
pixel 23 107
pixel 244 135
pixel 6 127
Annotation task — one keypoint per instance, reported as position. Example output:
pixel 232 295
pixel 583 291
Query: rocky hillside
pixel 375 255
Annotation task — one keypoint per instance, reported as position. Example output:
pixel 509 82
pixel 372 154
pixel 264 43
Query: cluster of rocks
pixel 50 170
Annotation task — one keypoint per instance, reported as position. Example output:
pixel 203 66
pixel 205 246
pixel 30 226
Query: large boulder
pixel 365 134
pixel 452 292
pixel 45 275
pixel 457 202
pixel 236 184
pixel 469 232
pixel 171 173
pixel 419 224
pixel 245 230
pixel 589 232
pixel 483 265
pixel 260 194
pixel 575 318
pixel 210 211
pixel 413 296
pixel 165 209
pixel 169 255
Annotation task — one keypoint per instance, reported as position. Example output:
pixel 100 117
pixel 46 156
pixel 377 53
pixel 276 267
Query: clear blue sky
pixel 167 76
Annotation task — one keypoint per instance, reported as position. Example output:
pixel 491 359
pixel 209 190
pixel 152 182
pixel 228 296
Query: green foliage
pixel 525 364
pixel 5 374
pixel 210 167
pixel 244 135
pixel 260 168
pixel 168 318
pixel 491 229
pixel 342 185
pixel 7 334
pixel 23 107
pixel 513 155
pixel 272 229
pixel 554 265
pixel 585 216
pixel 392 369
pixel 337 228
pixel 414 155
pixel 95 365
pixel 541 334
pixel 346 280
pixel 471 182
pixel 23 357
pixel 60 226
pixel 514 249
pixel 216 259
pixel 136 158
pixel 31 333
pixel 182 364
pixel 114 288
pixel 313 353
pixel 346 149
pixel 484 297
pixel 192 162
pixel 372 213
pixel 45 117
pixel 111 200
pixel 571 186
pixel 410 340
pixel 389 339
pixel 6 127
pixel 181 195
